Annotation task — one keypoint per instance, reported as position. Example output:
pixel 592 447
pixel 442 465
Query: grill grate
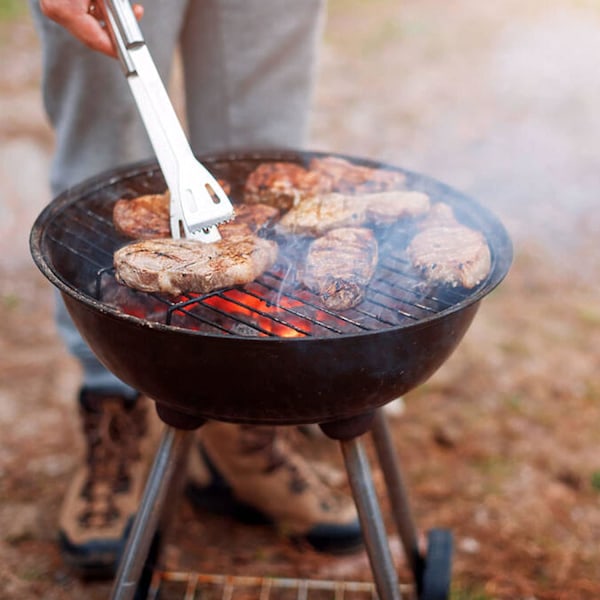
pixel 179 585
pixel 262 309
pixel 273 305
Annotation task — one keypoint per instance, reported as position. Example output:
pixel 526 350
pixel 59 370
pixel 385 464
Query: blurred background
pixel 499 100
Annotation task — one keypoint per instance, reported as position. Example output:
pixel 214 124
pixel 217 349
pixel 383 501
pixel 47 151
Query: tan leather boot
pixel 101 501
pixel 254 474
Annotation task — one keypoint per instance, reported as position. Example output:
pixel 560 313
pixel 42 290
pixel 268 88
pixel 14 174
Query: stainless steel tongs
pixel 198 202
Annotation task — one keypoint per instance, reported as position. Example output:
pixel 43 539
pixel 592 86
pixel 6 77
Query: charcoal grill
pixel 268 352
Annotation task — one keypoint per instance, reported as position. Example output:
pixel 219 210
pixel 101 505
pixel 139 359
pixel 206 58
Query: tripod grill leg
pixel 169 455
pixel 371 521
pixel 396 488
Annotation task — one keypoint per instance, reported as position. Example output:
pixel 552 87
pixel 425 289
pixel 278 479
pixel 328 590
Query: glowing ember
pixel 270 318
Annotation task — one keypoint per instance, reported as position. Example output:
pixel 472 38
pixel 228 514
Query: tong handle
pixel 125 31
pixel 193 209
pixel 157 112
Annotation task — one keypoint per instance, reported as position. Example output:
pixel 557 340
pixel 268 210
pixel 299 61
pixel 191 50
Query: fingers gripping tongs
pixel 198 202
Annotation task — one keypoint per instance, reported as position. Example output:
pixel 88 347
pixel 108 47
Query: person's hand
pixel 85 20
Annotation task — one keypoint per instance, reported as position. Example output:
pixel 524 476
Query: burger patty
pixel 340 265
pixel 177 266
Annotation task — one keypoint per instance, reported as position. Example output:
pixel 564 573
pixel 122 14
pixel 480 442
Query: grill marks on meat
pixel 449 253
pixel 340 265
pixel 283 185
pixel 147 217
pixel 315 216
pixel 178 266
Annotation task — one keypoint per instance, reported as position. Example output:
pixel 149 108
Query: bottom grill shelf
pixel 182 585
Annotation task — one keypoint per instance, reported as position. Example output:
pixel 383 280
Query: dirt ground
pixel 502 444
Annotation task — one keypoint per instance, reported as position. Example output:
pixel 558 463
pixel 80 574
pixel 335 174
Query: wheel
pixel 435 583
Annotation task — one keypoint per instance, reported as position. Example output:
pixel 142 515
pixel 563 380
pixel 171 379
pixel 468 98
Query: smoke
pixel 546 153
pixel 503 105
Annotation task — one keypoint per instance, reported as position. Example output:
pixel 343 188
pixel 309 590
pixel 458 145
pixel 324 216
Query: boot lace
pixel 275 449
pixel 113 434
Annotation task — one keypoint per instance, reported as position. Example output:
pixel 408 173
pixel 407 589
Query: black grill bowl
pixel 238 378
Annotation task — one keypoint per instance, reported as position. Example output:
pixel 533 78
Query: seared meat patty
pixel 147 217
pixel 319 214
pixel 340 265
pixel 177 266
pixel 282 184
pixel 449 253
pixel 346 177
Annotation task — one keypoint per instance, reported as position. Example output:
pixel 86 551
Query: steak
pixel 147 217
pixel 143 217
pixel 440 214
pixel 256 216
pixel 449 253
pixel 346 177
pixel 178 266
pixel 282 185
pixel 385 208
pixel 319 214
pixel 340 265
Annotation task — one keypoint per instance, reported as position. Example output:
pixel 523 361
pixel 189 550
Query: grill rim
pixel 501 247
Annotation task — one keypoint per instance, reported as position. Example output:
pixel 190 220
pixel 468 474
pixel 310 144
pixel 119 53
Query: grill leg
pixel 173 447
pixel 369 513
pixel 396 488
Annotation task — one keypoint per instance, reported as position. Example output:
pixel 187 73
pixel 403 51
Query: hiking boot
pixel 99 505
pixel 253 474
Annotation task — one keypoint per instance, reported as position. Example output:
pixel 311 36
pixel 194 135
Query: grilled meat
pixel 346 177
pixel 147 217
pixel 143 217
pixel 319 214
pixel 440 214
pixel 256 216
pixel 177 266
pixel 340 265
pixel 385 208
pixel 447 252
pixel 283 185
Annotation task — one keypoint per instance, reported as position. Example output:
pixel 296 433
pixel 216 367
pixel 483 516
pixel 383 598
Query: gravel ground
pixel 501 445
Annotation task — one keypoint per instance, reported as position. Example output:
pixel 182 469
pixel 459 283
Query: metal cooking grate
pixel 272 305
pixel 176 585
